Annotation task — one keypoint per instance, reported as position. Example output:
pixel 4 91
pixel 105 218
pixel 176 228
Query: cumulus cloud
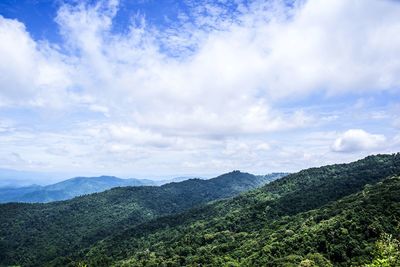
pixel 32 73
pixel 238 66
pixel 357 140
pixel 200 83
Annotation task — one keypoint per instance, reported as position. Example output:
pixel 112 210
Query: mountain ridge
pixel 67 189
pixel 78 186
pixel 326 216
pixel 245 215
pixel 25 228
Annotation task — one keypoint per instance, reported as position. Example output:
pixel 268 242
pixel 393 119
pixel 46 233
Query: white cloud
pixel 357 140
pixel 184 93
pixel 237 68
pixel 336 45
pixel 31 73
pixel 396 123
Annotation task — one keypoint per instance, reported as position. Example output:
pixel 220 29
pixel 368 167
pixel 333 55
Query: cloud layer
pixel 213 89
pixel 356 140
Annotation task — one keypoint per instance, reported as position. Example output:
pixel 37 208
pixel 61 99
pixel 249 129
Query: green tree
pixel 387 252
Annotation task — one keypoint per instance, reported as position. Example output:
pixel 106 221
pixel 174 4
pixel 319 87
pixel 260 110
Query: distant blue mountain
pixel 79 186
pixel 14 178
pixel 67 189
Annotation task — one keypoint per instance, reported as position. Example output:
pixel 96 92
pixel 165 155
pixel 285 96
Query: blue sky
pixel 162 88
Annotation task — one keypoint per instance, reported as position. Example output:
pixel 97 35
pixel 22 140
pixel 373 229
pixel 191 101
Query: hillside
pixel 336 215
pixel 331 215
pixel 12 194
pixel 67 189
pixel 31 234
pixel 342 233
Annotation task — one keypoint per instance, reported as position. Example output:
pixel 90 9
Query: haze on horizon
pixel 162 89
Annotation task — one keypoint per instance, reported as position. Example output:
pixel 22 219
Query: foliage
pixel 31 234
pixel 283 223
pixel 337 215
pixel 387 252
pixel 341 233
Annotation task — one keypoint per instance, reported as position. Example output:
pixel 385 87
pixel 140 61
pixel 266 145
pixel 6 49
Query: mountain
pixel 347 232
pixel 337 215
pixel 175 180
pixel 14 178
pixel 10 194
pixel 67 189
pixel 33 234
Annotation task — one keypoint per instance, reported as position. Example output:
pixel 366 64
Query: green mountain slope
pixel 31 234
pixel 342 233
pixel 320 210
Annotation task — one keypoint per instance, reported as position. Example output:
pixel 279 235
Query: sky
pixel 149 89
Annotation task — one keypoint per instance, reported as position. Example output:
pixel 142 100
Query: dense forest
pixel 337 215
pixel 334 215
pixel 342 233
pixel 31 234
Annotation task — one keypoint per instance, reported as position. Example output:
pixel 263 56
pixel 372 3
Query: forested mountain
pixel 336 215
pixel 333 215
pixel 67 189
pixel 346 232
pixel 12 194
pixel 32 234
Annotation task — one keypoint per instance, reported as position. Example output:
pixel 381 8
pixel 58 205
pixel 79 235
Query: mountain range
pixel 66 189
pixel 41 232
pixel 77 186
pixel 335 215
pixel 16 178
